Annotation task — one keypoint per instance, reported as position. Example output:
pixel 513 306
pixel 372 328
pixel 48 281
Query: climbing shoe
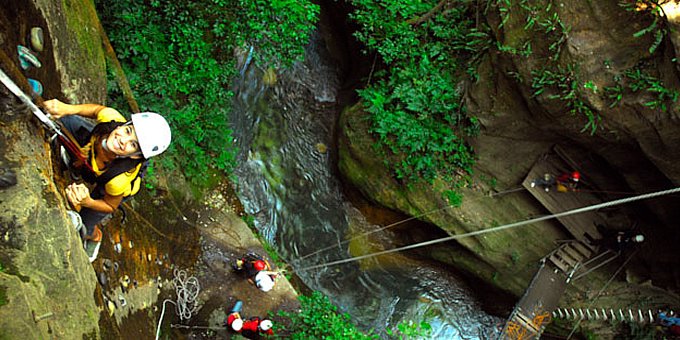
pixel 96 235
pixel 76 220
pixel 36 86
pixel 27 58
pixel 91 249
pixel 36 38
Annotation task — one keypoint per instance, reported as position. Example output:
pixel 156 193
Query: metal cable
pixel 499 228
pixel 401 222
pixel 601 291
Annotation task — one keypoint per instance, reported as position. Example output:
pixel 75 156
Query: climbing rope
pixel 499 228
pixel 401 222
pixel 187 289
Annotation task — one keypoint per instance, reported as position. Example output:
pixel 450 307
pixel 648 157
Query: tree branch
pixel 429 14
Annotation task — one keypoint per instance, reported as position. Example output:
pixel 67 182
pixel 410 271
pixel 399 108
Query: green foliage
pixel 614 93
pixel 411 330
pixel 455 199
pixel 278 29
pixel 657 27
pixel 177 56
pixel 636 80
pixel 3 296
pixel 250 220
pixel 641 81
pixel 172 69
pixel 638 331
pixel 562 83
pixel 539 17
pixel 515 257
pixel 415 106
pixel 319 319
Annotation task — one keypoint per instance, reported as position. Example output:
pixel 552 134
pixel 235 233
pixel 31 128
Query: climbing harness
pixel 187 289
pixel 499 228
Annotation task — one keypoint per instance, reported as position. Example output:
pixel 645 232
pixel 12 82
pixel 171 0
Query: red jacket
pixel 253 325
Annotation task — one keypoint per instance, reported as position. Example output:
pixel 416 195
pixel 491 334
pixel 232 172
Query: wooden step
pixel 569 249
pixel 585 250
pixel 566 257
pixel 559 263
pixel 525 322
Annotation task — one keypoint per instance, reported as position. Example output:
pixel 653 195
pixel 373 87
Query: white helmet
pixel 237 325
pixel 265 325
pixel 264 282
pixel 153 133
pixel 639 238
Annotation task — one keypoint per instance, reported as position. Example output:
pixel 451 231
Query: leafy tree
pixel 430 50
pixel 319 319
pixel 178 58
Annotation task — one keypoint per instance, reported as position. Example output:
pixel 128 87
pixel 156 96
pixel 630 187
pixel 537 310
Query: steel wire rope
pixel 502 227
pixel 339 244
pixel 187 289
pixel 601 291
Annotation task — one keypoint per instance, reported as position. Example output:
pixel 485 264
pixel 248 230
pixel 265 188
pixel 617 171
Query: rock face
pixel 46 282
pixel 633 149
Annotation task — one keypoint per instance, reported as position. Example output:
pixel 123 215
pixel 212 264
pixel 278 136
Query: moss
pixel 3 296
pixel 79 17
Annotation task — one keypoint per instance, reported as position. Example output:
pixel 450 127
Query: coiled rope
pixel 187 289
pixel 499 228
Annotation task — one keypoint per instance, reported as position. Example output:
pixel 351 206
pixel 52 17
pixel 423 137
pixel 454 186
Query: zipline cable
pixel 398 223
pixel 499 228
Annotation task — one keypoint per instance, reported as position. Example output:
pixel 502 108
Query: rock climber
pixel 546 182
pixel 617 241
pixel 250 328
pixel 234 320
pixel 115 151
pixel 670 321
pixel 568 181
pixel 253 327
pixel 257 270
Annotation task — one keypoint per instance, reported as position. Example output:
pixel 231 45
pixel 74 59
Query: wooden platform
pixel 556 202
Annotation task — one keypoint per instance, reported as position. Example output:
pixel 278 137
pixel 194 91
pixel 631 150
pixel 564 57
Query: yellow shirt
pixel 121 184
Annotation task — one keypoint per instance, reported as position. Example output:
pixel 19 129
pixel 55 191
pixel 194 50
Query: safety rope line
pixel 602 290
pixel 499 228
pixel 187 289
pixel 339 244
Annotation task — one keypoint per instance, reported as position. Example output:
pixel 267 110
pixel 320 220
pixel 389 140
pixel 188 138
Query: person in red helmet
pixel 257 270
pixel 568 181
pixel 253 327
pixel 234 320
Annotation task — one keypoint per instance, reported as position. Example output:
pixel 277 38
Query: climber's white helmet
pixel 265 325
pixel 153 133
pixel 264 281
pixel 639 238
pixel 237 325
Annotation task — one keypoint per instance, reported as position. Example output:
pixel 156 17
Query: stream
pixel 286 179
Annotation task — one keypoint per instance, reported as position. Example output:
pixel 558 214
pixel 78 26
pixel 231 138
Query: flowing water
pixel 287 180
